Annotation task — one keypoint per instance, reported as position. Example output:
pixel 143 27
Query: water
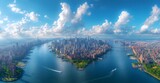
pixel 44 67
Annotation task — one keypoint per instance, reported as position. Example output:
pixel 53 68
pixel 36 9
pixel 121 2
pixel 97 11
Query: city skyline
pixel 39 18
pixel 80 41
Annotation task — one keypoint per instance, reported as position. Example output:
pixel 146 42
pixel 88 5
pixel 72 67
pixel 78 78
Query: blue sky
pixel 49 18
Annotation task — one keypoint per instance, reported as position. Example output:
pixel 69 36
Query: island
pixel 80 51
pixel 148 56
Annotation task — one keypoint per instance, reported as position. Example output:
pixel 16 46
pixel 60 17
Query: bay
pixel 44 66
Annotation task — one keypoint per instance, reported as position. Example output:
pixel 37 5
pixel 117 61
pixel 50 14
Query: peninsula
pixel 80 51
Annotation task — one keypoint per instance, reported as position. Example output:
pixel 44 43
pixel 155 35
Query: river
pixel 45 67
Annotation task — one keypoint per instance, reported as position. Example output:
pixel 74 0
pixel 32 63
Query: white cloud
pixel 5 19
pixel 45 16
pixel 37 32
pixel 118 30
pixel 69 21
pixel 15 28
pixel 18 29
pixel 33 16
pixel 155 16
pixel 1 21
pixel 122 20
pixel 155 31
pixel 63 18
pixel 81 10
pixel 45 31
pixel 15 9
pixel 96 29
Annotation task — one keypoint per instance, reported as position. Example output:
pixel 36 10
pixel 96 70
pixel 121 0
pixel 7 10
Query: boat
pixel 100 58
pixel 114 69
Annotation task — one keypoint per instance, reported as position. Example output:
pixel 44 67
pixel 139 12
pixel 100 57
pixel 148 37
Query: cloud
pixel 17 30
pixel 96 29
pixel 76 21
pixel 13 29
pixel 154 17
pixel 45 16
pixel 15 9
pixel 122 20
pixel 118 27
pixel 1 21
pixel 5 19
pixel 82 9
pixel 69 21
pixel 33 16
pixel 155 31
pixel 63 18
pixel 42 31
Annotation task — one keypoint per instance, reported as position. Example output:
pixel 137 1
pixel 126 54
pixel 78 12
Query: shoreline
pixel 78 62
pixel 151 74
pixel 20 63
pixel 158 78
pixel 13 79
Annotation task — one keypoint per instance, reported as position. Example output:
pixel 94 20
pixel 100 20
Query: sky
pixel 58 18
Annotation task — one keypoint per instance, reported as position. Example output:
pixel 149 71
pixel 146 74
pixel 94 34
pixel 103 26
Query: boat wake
pixel 106 76
pixel 52 70
pixel 113 70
